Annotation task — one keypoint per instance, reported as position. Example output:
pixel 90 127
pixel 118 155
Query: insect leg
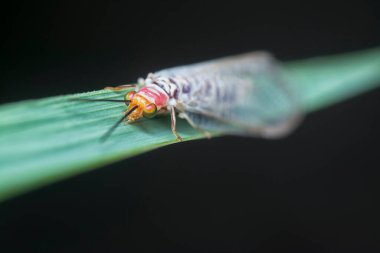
pixel 121 87
pixel 183 115
pixel 173 123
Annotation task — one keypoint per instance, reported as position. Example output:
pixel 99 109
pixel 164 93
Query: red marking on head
pixel 160 98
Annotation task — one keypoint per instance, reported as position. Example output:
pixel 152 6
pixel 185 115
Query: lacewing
pixel 246 95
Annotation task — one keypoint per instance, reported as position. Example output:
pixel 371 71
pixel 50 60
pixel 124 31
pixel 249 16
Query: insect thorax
pixel 166 84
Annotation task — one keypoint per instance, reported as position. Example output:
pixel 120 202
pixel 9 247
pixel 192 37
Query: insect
pixel 244 95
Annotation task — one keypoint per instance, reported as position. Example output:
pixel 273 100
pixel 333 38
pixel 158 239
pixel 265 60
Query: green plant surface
pixel 46 140
pixel 327 80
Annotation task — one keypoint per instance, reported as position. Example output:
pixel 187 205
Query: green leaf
pixel 46 140
pixel 323 81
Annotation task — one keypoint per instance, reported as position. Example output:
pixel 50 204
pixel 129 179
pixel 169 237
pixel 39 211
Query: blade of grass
pixel 323 81
pixel 46 140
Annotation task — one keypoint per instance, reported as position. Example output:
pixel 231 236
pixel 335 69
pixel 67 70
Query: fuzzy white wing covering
pixel 241 95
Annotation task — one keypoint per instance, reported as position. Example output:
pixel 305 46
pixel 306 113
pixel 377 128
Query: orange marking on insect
pixel 141 102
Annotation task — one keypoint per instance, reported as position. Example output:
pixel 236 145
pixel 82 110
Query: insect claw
pixel 207 134
pixel 179 138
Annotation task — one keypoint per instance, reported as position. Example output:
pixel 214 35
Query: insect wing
pixel 241 95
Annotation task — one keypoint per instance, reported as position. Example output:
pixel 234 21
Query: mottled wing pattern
pixel 241 95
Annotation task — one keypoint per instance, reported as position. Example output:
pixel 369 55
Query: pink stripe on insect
pixel 160 98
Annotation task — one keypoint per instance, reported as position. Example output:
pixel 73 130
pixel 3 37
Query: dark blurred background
pixel 314 191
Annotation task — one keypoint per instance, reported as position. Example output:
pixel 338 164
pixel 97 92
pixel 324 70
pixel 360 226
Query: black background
pixel 314 191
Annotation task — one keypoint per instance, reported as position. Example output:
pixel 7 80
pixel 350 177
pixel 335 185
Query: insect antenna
pixel 109 132
pixel 100 100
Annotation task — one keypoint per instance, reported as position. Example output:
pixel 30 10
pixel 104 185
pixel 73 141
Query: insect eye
pixel 129 96
pixel 150 111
